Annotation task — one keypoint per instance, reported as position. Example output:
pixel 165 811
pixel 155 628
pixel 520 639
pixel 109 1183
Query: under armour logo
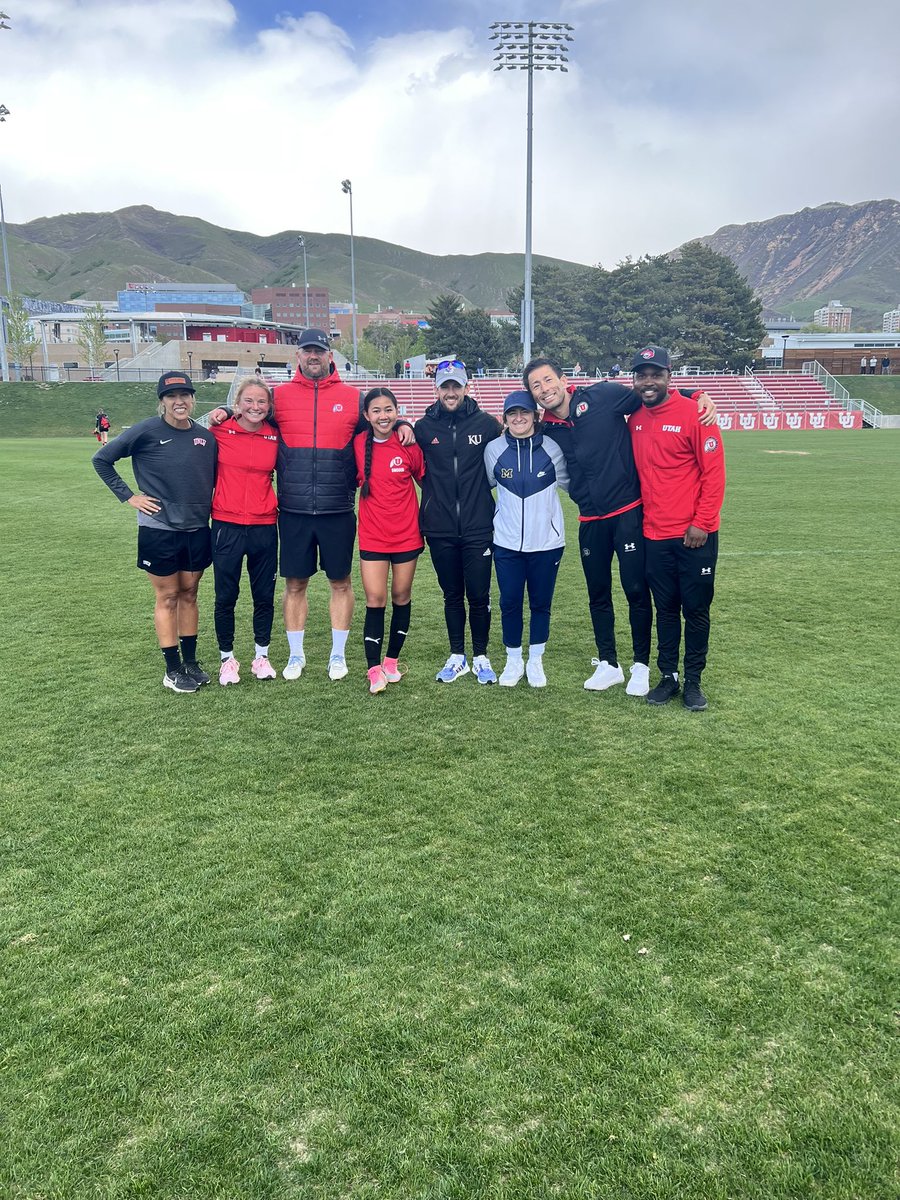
pixel 706 570
pixel 630 546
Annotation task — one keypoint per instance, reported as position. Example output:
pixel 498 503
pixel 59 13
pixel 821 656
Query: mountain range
pixel 796 262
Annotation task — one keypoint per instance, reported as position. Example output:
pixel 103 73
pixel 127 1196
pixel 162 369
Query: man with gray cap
pixel 457 515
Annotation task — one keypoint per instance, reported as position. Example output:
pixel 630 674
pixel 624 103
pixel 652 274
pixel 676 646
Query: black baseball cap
pixel 314 337
pixel 652 356
pixel 174 381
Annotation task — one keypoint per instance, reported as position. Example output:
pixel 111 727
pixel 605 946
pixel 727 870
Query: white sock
pixel 536 650
pixel 457 659
pixel 226 654
pixel 295 642
pixel 339 641
pixel 261 651
pixel 514 653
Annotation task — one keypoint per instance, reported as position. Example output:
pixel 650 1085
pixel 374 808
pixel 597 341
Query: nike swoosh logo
pixel 164 443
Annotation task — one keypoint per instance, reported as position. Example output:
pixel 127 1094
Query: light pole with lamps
pixel 301 242
pixel 116 353
pixel 347 189
pixel 530 46
pixel 190 354
pixel 784 342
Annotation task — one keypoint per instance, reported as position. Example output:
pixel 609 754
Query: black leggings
pixel 463 569
pixel 231 545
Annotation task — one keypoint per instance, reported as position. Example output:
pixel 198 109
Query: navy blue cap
pixel 519 400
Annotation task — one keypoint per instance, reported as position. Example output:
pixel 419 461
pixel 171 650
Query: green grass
pixel 881 391
pixel 37 410
pixel 292 941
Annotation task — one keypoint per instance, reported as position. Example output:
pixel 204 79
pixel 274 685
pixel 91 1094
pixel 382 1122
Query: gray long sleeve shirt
pixel 176 466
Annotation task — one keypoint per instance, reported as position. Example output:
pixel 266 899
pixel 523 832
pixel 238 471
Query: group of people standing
pixel 323 441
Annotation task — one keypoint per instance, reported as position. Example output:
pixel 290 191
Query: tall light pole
pixel 347 189
pixel 302 244
pixel 530 46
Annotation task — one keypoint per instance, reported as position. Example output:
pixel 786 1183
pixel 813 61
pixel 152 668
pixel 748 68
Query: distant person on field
pixel 873 362
pixel 174 464
pixel 885 366
pixel 863 363
pixel 526 468
pixel 398 370
pixel 390 540
pixel 681 466
pixel 614 371
pixel 457 516
pixel 101 427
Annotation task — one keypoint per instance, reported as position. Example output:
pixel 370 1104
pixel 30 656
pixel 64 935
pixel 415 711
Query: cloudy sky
pixel 674 119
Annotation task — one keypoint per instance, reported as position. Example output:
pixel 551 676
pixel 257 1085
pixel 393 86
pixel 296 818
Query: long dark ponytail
pixel 372 394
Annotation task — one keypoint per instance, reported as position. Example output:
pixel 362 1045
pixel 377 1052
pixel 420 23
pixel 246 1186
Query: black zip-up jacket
pixel 456 495
pixel 597 446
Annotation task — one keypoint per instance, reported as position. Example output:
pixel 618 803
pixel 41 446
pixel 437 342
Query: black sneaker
pixel 693 697
pixel 664 690
pixel 180 681
pixel 196 672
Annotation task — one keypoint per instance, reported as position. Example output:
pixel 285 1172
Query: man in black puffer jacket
pixel 457 515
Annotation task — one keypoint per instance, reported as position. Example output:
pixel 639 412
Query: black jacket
pixel 456 495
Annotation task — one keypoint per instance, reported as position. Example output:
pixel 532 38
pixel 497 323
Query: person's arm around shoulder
pixel 706 406
pixel 416 462
pixel 710 456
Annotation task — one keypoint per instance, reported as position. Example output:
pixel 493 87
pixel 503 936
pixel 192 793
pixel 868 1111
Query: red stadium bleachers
pixel 731 393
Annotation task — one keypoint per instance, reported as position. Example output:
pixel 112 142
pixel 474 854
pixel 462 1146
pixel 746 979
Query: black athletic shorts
pixel 310 541
pixel 167 551
pixel 384 556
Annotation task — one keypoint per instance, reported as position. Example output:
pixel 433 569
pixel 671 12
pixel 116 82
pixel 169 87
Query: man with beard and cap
pixel 681 466
pixel 457 515
pixel 589 425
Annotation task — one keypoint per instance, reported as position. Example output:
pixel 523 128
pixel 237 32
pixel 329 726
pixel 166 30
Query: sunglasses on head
pixel 448 363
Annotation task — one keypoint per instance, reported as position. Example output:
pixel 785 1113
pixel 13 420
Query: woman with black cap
pixel 529 535
pixel 174 464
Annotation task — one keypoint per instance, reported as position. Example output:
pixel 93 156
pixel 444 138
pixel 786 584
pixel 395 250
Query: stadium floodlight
pixel 301 242
pixel 347 189
pixel 516 41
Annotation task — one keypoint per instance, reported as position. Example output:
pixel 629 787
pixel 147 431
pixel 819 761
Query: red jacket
pixel 317 420
pixel 389 515
pixel 681 465
pixel 244 493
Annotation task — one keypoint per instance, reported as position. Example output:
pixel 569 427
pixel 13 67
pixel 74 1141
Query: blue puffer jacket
pixel 526 473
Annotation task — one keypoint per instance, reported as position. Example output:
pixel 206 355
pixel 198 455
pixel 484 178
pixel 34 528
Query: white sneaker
pixel 294 668
pixel 604 677
pixel 534 670
pixel 337 667
pixel 512 672
pixel 639 683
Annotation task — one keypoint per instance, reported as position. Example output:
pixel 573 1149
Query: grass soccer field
pixel 287 941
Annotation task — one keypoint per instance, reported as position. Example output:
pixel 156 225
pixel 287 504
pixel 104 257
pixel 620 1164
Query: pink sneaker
pixel 393 671
pixel 377 681
pixel 228 672
pixel 263 669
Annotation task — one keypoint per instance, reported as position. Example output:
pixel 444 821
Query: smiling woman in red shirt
pixel 244 526
pixel 389 535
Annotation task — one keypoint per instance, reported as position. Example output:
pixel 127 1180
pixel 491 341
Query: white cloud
pixel 672 121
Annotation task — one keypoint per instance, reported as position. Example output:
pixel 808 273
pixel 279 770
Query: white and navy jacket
pixel 526 473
